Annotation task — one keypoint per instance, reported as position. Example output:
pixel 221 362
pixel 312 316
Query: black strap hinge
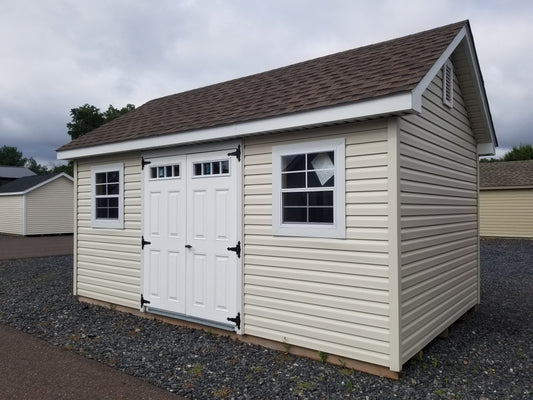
pixel 144 301
pixel 144 242
pixel 144 162
pixel 236 153
pixel 236 249
pixel 236 320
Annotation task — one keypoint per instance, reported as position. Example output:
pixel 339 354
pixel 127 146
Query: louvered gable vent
pixel 447 84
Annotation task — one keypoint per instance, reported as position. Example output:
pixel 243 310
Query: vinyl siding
pixel 50 208
pixel 12 214
pixel 439 234
pixel 109 260
pixel 506 213
pixel 330 295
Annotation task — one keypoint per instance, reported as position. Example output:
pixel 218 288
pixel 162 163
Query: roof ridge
pixel 375 70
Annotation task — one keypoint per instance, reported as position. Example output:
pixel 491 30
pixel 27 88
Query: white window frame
pixel 447 84
pixel 335 230
pixel 108 223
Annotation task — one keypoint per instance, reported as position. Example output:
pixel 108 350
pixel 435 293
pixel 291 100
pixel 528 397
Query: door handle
pixel 188 246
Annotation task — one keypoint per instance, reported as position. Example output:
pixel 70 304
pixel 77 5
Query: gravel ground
pixel 487 356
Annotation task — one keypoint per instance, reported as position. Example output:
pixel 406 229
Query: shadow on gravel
pixel 489 355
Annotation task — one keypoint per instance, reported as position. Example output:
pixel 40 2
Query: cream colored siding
pixel 109 260
pixel 439 237
pixel 50 208
pixel 506 212
pixel 330 295
pixel 12 214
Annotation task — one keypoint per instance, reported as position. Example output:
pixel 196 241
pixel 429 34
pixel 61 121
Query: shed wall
pixel 439 223
pixel 506 213
pixel 109 260
pixel 50 208
pixel 12 214
pixel 330 295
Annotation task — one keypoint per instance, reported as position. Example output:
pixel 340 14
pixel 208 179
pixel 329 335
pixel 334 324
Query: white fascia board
pixel 397 103
pixel 478 81
pixel 434 70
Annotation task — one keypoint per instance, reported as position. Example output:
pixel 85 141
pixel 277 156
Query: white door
pixel 212 208
pixel 164 234
pixel 191 219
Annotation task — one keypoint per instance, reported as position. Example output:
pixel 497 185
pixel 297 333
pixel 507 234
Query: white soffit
pixel 394 104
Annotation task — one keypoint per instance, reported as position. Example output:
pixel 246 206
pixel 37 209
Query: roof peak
pixel 373 71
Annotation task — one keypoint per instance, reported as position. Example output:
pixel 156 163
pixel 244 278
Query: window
pixel 308 189
pixel 209 168
pixel 107 196
pixel 447 84
pixel 165 171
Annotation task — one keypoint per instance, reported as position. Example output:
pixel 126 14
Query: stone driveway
pixel 12 247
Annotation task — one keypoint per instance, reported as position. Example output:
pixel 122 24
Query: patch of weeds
pixel 301 387
pixel 112 306
pixel 439 392
pixel 197 370
pixel 222 393
pixel 434 362
pixel 286 345
pixel 323 356
pixel 258 369
pixel 348 385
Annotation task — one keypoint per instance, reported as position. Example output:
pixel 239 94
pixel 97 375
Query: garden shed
pixel 330 205
pixel 506 199
pixel 37 205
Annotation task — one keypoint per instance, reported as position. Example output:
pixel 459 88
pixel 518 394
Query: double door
pixel 191 257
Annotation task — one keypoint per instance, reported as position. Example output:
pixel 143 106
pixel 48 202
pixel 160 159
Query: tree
pixel 87 118
pixel 111 113
pixel 10 156
pixel 35 167
pixel 518 153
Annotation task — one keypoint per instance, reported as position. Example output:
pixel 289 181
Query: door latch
pixel 236 249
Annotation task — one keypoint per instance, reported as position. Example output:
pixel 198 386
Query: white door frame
pixel 229 146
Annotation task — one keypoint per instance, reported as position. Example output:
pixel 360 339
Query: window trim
pixel 108 223
pixel 335 230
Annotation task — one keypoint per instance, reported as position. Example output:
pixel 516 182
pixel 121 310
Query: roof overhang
pixel 463 50
pixel 397 104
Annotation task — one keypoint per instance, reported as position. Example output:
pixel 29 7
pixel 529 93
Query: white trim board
pixel 401 103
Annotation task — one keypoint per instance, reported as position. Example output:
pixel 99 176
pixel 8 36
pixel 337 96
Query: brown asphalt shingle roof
pixel 506 174
pixel 382 69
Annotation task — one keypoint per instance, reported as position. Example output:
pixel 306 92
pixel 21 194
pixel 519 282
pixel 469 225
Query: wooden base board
pixel 356 365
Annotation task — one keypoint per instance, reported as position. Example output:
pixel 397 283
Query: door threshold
pixel 196 320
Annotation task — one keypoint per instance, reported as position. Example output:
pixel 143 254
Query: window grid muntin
pixel 107 193
pixel 168 171
pixel 291 164
pixel 211 168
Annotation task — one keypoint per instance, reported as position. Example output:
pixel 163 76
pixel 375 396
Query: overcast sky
pixel 56 55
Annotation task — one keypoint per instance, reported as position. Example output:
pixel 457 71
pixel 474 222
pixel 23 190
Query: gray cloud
pixel 61 54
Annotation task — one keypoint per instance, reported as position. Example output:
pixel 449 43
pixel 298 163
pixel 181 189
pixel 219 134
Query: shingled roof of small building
pixel 22 185
pixel 505 174
pixel 364 73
